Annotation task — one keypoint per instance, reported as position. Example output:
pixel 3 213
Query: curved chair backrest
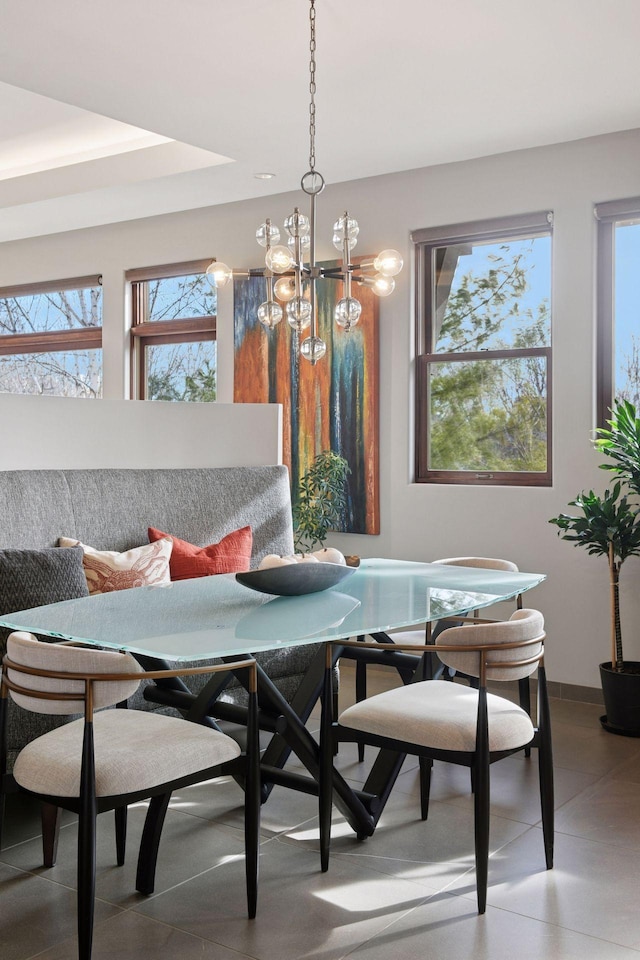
pixel 485 563
pixel 26 650
pixel 522 625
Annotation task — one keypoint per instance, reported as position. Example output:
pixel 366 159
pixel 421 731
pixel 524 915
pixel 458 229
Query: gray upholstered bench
pixel 111 509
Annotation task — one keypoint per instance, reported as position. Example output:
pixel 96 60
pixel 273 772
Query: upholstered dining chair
pixel 419 636
pixel 455 723
pixel 111 758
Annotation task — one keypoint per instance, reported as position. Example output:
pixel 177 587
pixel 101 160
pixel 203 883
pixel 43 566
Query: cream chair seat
pixel 134 751
pixel 442 717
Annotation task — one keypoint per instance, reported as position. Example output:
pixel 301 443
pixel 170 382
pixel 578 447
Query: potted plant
pixel 321 501
pixel 609 526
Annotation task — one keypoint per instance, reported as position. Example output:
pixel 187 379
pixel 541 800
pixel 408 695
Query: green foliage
pixel 321 500
pixel 478 309
pixel 201 385
pixel 621 442
pixel 161 386
pixel 609 520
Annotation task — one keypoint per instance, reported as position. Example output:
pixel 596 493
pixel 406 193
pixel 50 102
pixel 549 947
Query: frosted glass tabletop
pixel 217 616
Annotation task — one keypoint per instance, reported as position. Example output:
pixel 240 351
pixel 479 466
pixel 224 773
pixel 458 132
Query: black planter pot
pixel 621 699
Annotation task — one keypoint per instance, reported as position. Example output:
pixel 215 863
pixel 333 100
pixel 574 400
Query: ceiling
pixel 118 109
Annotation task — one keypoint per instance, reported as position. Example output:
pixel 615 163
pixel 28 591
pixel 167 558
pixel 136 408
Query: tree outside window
pixel 618 304
pixel 51 338
pixel 484 352
pixel 174 332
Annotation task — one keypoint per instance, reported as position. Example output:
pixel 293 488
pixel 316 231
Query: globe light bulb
pixel 389 263
pixel 219 273
pixel 347 312
pixel 350 224
pixel 269 313
pixel 267 233
pixel 279 259
pixel 305 244
pixel 285 289
pixel 299 313
pixel 297 224
pixel 338 240
pixel 382 286
pixel 313 349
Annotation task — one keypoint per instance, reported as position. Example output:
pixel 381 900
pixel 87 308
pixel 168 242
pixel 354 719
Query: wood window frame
pixel 146 333
pixel 608 215
pixel 52 341
pixel 425 241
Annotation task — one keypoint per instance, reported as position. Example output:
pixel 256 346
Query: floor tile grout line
pixel 383 930
pixel 549 923
pixel 187 933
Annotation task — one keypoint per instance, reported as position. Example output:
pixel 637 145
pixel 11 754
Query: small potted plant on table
pixel 609 526
pixel 320 504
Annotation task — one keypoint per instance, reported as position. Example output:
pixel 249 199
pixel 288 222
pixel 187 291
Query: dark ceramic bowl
pixel 295 579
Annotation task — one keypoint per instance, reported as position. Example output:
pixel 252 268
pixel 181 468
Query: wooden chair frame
pixel 479 760
pixel 87 805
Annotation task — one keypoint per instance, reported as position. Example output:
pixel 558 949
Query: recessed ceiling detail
pixel 419 84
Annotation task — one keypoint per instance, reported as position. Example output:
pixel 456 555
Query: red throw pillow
pixel 231 555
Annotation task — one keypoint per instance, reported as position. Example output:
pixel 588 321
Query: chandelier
pixel 295 264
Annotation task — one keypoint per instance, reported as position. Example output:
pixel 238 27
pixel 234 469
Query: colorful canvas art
pixel 332 406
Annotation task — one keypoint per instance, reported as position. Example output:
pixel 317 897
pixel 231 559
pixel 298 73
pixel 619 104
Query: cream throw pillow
pixel 108 570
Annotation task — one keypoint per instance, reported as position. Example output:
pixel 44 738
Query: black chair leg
pixel 481 800
pixel 148 856
pixel 426 766
pixel 121 834
pixel 524 693
pixel 50 817
pixel 325 774
pixel 86 847
pixel 252 806
pixel 545 766
pixel 361 694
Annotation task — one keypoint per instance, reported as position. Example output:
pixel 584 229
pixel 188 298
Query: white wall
pixel 425 521
pixel 58 433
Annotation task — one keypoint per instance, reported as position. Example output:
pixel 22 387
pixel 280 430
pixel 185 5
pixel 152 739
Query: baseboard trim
pixel 573 691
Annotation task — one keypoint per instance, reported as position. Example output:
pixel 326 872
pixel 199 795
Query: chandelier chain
pixel 312 87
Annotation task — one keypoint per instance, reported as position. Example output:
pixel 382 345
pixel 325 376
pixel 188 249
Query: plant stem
pixel 616 631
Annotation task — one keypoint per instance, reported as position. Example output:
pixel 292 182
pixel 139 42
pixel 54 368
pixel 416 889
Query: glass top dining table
pixel 209 617
pixel 218 617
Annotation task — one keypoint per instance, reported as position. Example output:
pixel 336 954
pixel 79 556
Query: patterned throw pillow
pixel 231 555
pixel 108 570
pixel 33 578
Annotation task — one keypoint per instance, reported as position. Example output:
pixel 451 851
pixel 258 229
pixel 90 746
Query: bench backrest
pixel 111 509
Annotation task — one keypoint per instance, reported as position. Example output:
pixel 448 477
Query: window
pixel 173 332
pixel 51 338
pixel 483 367
pixel 618 303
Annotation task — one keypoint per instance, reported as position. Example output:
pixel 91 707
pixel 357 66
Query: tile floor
pixel 408 891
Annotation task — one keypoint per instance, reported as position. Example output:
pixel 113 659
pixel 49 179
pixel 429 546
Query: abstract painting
pixel 332 406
